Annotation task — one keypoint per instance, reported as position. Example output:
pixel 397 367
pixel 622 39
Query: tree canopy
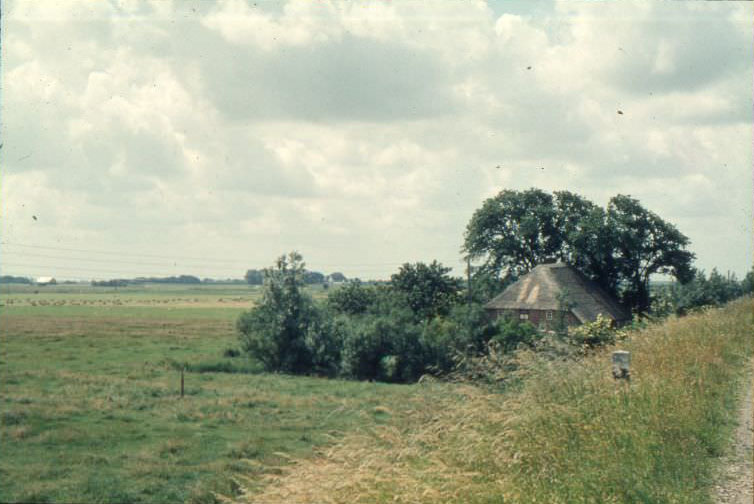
pixel 275 330
pixel 619 247
pixel 428 288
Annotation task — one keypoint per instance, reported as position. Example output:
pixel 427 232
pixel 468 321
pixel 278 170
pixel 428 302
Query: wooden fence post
pixel 621 365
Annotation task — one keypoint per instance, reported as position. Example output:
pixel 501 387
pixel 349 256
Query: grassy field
pixel 569 434
pixel 90 411
pixel 90 408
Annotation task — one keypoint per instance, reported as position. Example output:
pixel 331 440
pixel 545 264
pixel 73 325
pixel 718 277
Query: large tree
pixel 514 231
pixel 644 245
pixel 619 248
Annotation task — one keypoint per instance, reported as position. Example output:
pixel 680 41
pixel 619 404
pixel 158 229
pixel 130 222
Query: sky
pixel 207 138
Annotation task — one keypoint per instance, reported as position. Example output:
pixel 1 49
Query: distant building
pixel 336 278
pixel 555 293
pixel 45 280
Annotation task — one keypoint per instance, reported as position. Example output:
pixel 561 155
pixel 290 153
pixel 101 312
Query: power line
pixel 205 260
pixel 108 261
pixel 97 270
pixel 127 254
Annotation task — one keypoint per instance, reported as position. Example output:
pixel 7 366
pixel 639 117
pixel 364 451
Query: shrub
pixel 590 335
pixel 275 331
pixel 428 289
pixel 231 352
pixel 465 331
pixel 324 341
pixel 383 348
pixel 351 299
pixel 512 333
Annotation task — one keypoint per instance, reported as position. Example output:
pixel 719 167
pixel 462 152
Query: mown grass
pixel 90 409
pixel 570 433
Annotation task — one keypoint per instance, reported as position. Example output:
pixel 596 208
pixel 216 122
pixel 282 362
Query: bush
pixel 427 288
pixel 512 333
pixel 275 331
pixel 324 341
pixel 231 352
pixel 383 348
pixel 351 299
pixel 466 331
pixel 590 335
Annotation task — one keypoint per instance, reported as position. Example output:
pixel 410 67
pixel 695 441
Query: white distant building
pixel 45 280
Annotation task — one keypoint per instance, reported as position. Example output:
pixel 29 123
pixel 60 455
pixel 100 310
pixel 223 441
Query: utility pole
pixel 468 290
pixel 468 278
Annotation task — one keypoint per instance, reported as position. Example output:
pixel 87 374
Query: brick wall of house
pixel 546 320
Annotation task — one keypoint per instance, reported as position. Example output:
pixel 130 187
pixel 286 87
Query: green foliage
pixel 275 331
pixel 465 331
pixel 619 248
pixel 382 348
pixel 324 342
pixel 486 284
pixel 14 279
pixel 700 291
pixel 644 245
pixel 747 284
pixel 181 279
pixel 351 299
pixel 515 231
pixel 513 334
pixel 100 389
pixel 428 289
pixel 254 277
pixel 313 277
pixel 110 283
pixel 599 332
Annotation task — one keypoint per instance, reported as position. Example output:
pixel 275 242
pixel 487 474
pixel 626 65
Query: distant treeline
pixel 256 277
pixel 122 282
pixel 15 279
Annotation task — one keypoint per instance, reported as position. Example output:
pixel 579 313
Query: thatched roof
pixel 539 290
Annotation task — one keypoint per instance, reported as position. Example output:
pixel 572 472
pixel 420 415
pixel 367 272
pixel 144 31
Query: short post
pixel 621 365
pixel 184 367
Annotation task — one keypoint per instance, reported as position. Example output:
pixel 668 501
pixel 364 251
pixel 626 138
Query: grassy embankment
pixel 569 434
pixel 90 408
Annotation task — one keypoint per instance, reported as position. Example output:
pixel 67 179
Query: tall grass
pixel 570 434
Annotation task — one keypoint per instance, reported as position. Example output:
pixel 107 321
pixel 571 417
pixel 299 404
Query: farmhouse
pixel 556 293
pixel 45 280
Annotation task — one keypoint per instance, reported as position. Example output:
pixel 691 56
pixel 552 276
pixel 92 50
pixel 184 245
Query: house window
pixel 548 315
pixel 523 315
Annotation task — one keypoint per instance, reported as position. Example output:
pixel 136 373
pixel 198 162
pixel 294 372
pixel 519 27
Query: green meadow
pixel 91 411
pixel 90 404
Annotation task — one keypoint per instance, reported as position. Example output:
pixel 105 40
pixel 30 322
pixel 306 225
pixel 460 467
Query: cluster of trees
pixel 396 332
pixel 702 290
pixel 121 282
pixel 619 247
pixel 181 279
pixel 14 279
pixel 422 321
pixel 116 282
pixel 256 277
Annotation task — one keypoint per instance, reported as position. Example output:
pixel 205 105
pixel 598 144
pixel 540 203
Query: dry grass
pixel 413 464
pixel 571 434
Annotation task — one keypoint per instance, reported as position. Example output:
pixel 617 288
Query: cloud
pixel 366 133
pixel 353 79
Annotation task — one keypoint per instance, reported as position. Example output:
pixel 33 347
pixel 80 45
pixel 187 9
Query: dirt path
pixel 737 476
